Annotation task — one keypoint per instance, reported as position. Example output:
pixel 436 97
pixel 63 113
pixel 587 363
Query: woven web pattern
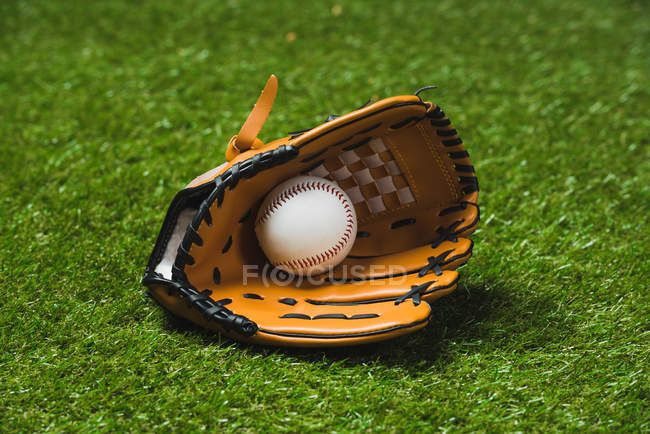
pixel 371 177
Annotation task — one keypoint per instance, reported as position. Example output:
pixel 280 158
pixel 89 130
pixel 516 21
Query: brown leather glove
pixel 414 191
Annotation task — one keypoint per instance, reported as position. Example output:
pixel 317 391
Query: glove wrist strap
pixel 247 136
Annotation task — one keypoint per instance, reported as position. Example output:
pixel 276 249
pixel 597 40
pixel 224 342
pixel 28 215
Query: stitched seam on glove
pixel 436 156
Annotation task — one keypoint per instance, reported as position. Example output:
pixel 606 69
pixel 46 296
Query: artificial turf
pixel 108 108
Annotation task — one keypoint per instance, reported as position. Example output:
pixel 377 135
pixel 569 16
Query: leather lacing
pixel 438 120
pixel 449 138
pixel 434 263
pixel 201 300
pixel 415 293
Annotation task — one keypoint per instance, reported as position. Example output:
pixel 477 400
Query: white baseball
pixel 306 225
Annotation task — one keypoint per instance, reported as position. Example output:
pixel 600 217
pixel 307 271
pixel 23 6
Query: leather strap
pixel 248 132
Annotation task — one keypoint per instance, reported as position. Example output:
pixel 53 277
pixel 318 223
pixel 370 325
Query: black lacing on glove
pixel 447 234
pixel 434 264
pixel 415 293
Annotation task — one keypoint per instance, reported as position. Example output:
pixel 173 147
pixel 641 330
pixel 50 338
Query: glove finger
pixel 301 322
pixel 380 308
pixel 337 324
pixel 348 293
pixel 447 255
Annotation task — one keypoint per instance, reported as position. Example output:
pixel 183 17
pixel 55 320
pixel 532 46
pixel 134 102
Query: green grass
pixel 108 108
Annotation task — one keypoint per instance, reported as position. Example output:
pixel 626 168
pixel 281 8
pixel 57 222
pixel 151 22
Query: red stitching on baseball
pixel 297 264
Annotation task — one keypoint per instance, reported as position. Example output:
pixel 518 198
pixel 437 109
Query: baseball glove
pixel 414 191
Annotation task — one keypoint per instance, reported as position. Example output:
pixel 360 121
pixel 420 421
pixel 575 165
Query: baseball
pixel 306 225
